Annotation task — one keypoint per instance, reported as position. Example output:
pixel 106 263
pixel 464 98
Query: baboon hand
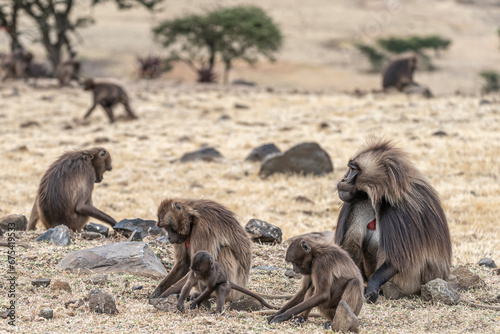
pixel 279 318
pixel 371 295
pixel 180 307
pixel 193 305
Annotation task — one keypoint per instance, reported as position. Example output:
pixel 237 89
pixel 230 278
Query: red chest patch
pixel 188 244
pixel 372 226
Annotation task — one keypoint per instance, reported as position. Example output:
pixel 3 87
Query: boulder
pixel 208 154
pixel 464 279
pixel 487 262
pixel 58 235
pixel 121 257
pixel 13 222
pixel 261 231
pixel 438 290
pixel 305 158
pixel 261 152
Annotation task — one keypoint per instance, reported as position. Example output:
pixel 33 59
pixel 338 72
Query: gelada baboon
pixel 16 64
pixel 65 193
pixel 193 225
pixel 392 222
pixel 107 95
pixel 330 276
pixel 67 71
pixel 210 277
pixel 399 72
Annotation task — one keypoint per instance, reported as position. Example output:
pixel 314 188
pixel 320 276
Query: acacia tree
pixel 54 23
pixel 241 32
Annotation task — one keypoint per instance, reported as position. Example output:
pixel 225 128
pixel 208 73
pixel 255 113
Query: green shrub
pixel 492 81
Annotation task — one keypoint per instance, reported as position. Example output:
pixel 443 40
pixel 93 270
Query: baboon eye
pixel 102 154
pixel 178 206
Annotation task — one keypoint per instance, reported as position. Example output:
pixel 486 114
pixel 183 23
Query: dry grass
pixel 174 119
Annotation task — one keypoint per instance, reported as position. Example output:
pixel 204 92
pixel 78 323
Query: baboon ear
pixel 177 206
pixel 305 246
pixel 103 154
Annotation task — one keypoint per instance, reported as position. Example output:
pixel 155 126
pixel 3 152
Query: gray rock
pixel 137 287
pixel 47 313
pixel 303 199
pixel 168 304
pixel 90 235
pixel 440 133
pixel 13 222
pixel 208 154
pixel 438 290
pixel 305 158
pixel 345 320
pixel 487 262
pixel 58 235
pixel 100 302
pixel 245 304
pixel 135 236
pixel 41 282
pixel 243 82
pixel 261 152
pixel 98 228
pixel 121 257
pixel 416 89
pixel 144 227
pixel 292 274
pixel 465 279
pixel 484 101
pixel 261 231
pixel 241 106
pixel 4 314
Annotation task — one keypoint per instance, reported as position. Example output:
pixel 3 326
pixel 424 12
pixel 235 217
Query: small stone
pixel 137 287
pixel 13 222
pixel 58 235
pixel 29 124
pixel 261 231
pixel 41 282
pixel 440 133
pixel 292 274
pixel 74 304
pixel 91 235
pixel 267 268
pixel 168 304
pixel 303 199
pixel 4 314
pixel 261 152
pixel 47 313
pixel 438 290
pixel 97 279
pixel 487 262
pixel 101 140
pixel 207 154
pixel 60 285
pixel 144 227
pixel 241 106
pixel 245 304
pixel 484 101
pixel 345 320
pixel 98 228
pixel 100 302
pixel 223 118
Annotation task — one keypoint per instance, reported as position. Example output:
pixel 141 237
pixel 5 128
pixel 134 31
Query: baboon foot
pixel 345 320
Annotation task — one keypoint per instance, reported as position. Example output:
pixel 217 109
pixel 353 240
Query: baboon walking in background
pixel 399 72
pixel 107 95
pixel 193 225
pixel 67 71
pixel 65 193
pixel 16 64
pixel 392 222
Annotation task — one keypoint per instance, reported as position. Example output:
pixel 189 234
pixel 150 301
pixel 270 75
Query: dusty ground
pixel 177 118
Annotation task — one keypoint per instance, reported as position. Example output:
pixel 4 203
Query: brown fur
pixel 411 238
pixel 399 72
pixel 16 64
pixel 107 95
pixel 207 226
pixel 65 193
pixel 330 276
pixel 210 277
pixel 67 71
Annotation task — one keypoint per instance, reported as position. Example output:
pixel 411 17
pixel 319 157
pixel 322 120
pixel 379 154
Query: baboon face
pixel 202 263
pixel 300 255
pixel 177 222
pixel 348 191
pixel 101 163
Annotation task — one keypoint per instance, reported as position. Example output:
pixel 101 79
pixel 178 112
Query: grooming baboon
pixel 399 72
pixel 65 193
pixel 392 222
pixel 210 277
pixel 107 95
pixel 67 71
pixel 16 64
pixel 330 276
pixel 193 225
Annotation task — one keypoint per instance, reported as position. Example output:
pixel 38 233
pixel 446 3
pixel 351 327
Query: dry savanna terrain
pixel 307 103
pixel 177 118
